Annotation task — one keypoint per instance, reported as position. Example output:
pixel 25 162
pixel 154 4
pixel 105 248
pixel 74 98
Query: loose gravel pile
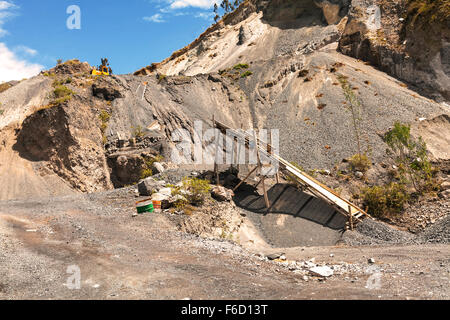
pixel 437 233
pixel 371 232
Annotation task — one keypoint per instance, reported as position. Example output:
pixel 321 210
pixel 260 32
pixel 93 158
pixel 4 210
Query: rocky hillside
pixel 270 64
pixel 408 39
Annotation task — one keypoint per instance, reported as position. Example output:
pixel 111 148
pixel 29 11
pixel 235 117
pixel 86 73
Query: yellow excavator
pixel 103 70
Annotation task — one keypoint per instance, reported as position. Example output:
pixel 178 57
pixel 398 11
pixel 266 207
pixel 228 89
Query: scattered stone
pixel 148 186
pixel 282 257
pixel 166 192
pixel 445 194
pixel 274 256
pixel 322 271
pixel 359 174
pixel 158 168
pixel 371 261
pixel 222 194
pixel 445 185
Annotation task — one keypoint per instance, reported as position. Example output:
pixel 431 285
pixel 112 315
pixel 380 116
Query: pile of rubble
pixel 312 270
pixel 216 217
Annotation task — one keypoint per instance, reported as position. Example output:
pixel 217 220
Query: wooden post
pixel 351 217
pixel 216 166
pixel 266 198
pixel 248 176
pixel 239 153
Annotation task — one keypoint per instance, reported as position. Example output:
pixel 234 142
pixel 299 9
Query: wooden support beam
pixel 266 197
pixel 248 176
pixel 351 217
pixel 216 166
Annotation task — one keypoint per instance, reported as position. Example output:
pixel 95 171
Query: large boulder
pixel 149 186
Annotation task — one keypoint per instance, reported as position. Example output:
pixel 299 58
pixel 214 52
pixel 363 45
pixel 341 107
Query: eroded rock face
pixel 68 140
pixel 417 53
pixel 107 89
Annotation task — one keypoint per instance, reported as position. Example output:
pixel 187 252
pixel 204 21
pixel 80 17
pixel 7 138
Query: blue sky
pixel 131 34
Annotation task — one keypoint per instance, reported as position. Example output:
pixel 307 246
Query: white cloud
pixel 5 14
pixel 204 4
pixel 4 5
pixel 205 15
pixel 13 68
pixel 25 50
pixel 158 18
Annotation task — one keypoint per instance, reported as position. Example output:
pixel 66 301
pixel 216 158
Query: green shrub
pixel 246 74
pixel 62 91
pixel 383 201
pixel 353 105
pixel 197 190
pixel 57 102
pixel 426 12
pixel 411 157
pixel 161 78
pixel 1 112
pixel 148 165
pixel 360 162
pixel 146 172
pixel 241 66
pixel 138 131
pixel 104 117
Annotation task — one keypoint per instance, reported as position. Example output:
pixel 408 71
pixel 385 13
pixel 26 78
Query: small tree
pixel 216 12
pixel 411 156
pixel 354 106
pixel 105 63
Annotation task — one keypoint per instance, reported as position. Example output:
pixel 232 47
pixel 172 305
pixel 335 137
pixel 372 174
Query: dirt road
pixel 120 257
